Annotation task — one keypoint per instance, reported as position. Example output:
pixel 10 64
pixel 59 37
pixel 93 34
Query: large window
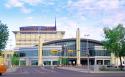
pixel 102 53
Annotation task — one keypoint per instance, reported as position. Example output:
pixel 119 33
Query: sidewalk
pixel 74 69
pixel 12 69
pixel 86 70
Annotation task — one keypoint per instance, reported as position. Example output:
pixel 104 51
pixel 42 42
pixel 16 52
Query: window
pixel 106 62
pixel 99 62
pixel 55 62
pixel 47 62
pixel 22 54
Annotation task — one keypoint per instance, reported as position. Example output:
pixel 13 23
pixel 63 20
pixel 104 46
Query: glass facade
pixel 71 45
pixel 66 48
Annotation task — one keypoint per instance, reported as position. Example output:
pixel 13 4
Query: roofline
pixel 73 39
pixel 37 31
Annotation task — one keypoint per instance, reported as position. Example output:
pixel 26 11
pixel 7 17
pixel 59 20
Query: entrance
pixel 34 62
pixel 22 62
pixel 85 61
pixel 71 61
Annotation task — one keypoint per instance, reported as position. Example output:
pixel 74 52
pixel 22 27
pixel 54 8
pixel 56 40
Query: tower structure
pixel 78 46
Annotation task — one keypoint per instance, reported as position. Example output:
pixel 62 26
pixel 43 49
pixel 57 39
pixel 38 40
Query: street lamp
pixel 87 50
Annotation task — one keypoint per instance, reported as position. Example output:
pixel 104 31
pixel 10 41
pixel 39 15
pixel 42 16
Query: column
pixel 78 46
pixel 40 55
pixel 51 63
pixel 103 62
pixel 95 65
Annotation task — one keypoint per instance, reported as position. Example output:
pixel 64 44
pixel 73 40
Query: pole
pixel 87 55
pixel 87 52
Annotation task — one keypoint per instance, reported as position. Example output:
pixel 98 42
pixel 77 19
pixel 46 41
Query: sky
pixel 91 16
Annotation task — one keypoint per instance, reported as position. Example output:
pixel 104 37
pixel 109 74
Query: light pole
pixel 87 50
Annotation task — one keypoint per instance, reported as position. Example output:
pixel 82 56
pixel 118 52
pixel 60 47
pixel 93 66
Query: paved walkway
pixel 87 71
pixel 55 72
pixel 12 69
pixel 75 69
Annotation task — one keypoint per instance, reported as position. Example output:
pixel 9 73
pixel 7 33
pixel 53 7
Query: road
pixel 54 72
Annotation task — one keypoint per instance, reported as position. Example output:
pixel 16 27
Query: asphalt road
pixel 54 72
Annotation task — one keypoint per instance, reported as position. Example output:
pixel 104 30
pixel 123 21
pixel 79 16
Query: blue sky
pixel 91 16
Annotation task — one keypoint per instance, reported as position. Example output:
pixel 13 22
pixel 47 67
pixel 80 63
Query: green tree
pixel 115 41
pixel 15 59
pixel 4 33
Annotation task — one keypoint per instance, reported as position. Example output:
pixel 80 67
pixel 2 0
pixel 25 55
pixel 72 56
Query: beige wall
pixel 27 40
pixel 7 57
pixel 115 60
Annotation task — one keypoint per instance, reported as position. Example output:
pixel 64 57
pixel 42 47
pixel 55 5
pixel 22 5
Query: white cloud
pixel 106 11
pixel 70 26
pixel 94 4
pixel 115 19
pixel 93 7
pixel 21 4
pixel 14 3
pixel 32 2
pixel 25 10
pixel 107 4
pixel 30 18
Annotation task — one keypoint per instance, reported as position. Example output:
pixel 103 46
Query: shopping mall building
pixel 45 45
pixel 66 49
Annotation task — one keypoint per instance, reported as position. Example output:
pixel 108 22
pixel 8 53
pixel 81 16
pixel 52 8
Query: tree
pixel 4 33
pixel 115 41
pixel 15 59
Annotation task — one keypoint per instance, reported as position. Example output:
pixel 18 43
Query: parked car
pixel 3 69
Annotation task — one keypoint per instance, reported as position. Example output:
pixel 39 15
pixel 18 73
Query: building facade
pixel 66 53
pixel 7 55
pixel 29 36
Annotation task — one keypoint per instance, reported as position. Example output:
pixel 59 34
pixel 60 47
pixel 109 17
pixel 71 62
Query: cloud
pixel 103 11
pixel 25 10
pixel 116 19
pixel 32 2
pixel 22 4
pixel 94 4
pixel 70 27
pixel 14 3
pixel 94 7
pixel 29 19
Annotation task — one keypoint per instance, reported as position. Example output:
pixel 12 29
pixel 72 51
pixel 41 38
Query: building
pixel 7 55
pixel 40 45
pixel 29 36
pixel 66 53
pixel 30 55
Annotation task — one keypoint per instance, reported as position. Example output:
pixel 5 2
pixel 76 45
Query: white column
pixel 19 62
pixel 78 46
pixel 40 53
pixel 51 62
pixel 103 62
pixel 95 65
